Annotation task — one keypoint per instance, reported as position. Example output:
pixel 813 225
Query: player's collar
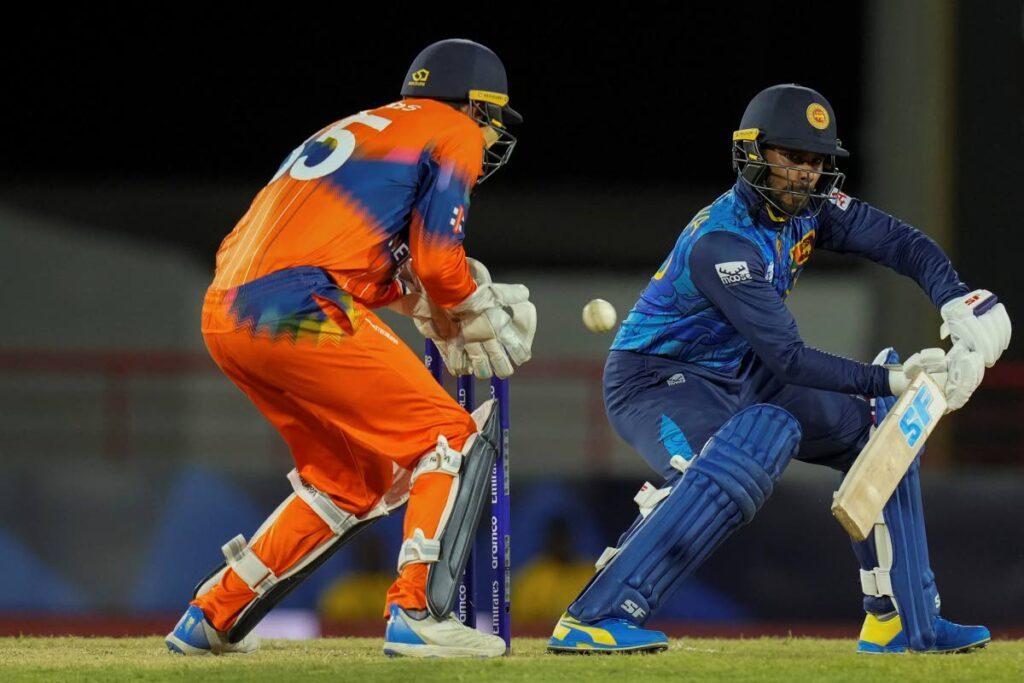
pixel 757 208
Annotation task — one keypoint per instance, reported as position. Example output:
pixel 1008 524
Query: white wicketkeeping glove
pixel 979 322
pixel 431 320
pixel 497 323
pixel 459 358
pixel 957 373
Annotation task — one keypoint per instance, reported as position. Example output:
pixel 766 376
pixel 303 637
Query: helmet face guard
pixel 750 164
pixel 498 141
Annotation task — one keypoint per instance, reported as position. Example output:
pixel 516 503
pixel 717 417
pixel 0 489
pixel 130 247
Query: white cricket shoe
pixel 429 637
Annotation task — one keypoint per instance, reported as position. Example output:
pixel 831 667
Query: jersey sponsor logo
pixel 817 116
pixel 733 272
pixel 801 251
pixel 840 199
pixel 678 378
pixel 769 272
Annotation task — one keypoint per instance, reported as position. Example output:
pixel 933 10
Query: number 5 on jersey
pixel 338 139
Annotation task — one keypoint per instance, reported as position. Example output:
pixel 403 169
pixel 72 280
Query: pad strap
pixel 333 516
pixel 606 557
pixel 247 565
pixel 418 549
pixel 648 497
pixel 877 582
pixel 442 459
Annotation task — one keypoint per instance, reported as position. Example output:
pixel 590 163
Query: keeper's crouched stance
pixel 431 453
pixel 369 212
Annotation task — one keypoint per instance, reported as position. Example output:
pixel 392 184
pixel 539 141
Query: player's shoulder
pixel 424 123
pixel 723 218
pixel 432 117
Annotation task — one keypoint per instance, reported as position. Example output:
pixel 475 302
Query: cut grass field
pixel 359 659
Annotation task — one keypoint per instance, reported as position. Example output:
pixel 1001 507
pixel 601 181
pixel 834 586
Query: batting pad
pixel 894 558
pixel 457 531
pixel 721 490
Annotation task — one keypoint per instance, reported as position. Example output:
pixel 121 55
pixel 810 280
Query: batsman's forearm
pixel 806 366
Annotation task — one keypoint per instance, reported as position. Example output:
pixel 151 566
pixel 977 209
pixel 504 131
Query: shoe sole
pixel 963 649
pixel 635 650
pixel 436 652
pixel 179 647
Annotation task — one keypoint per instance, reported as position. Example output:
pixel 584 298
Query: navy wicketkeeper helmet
pixel 793 117
pixel 457 70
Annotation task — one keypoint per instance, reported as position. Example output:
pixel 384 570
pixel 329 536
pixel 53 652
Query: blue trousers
pixel 663 408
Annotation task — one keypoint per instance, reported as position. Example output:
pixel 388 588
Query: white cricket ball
pixel 599 315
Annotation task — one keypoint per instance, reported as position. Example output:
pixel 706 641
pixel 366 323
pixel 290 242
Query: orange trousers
pixel 349 406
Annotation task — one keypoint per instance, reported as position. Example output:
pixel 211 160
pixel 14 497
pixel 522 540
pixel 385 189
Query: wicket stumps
pixel 499 568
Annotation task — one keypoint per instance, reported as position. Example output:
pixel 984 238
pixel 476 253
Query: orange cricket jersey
pixel 345 210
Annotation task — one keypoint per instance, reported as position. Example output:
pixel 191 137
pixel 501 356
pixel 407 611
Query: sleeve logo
pixel 839 199
pixel 733 272
pixel 458 218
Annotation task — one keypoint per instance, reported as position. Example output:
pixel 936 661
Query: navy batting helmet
pixel 457 70
pixel 790 117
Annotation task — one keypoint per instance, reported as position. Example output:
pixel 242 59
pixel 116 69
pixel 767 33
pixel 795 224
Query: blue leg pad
pixel 896 571
pixel 721 489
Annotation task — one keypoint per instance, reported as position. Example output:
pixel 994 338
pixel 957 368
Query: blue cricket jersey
pixel 720 294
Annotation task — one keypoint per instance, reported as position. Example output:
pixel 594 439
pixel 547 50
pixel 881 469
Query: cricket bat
pixel 887 456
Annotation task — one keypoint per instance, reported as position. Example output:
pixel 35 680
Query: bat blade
pixel 887 456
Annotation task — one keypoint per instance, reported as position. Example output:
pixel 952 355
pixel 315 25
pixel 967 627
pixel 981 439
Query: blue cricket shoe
pixel 606 635
pixel 885 636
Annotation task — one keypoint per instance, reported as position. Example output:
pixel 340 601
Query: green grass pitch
pixel 359 659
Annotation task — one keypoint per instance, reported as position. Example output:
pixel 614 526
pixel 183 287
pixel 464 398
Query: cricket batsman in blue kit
pixel 709 379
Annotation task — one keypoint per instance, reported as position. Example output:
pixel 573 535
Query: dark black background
pixel 631 98
pixel 644 95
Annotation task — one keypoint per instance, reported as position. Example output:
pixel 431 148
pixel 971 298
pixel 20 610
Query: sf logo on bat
pixel 916 418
